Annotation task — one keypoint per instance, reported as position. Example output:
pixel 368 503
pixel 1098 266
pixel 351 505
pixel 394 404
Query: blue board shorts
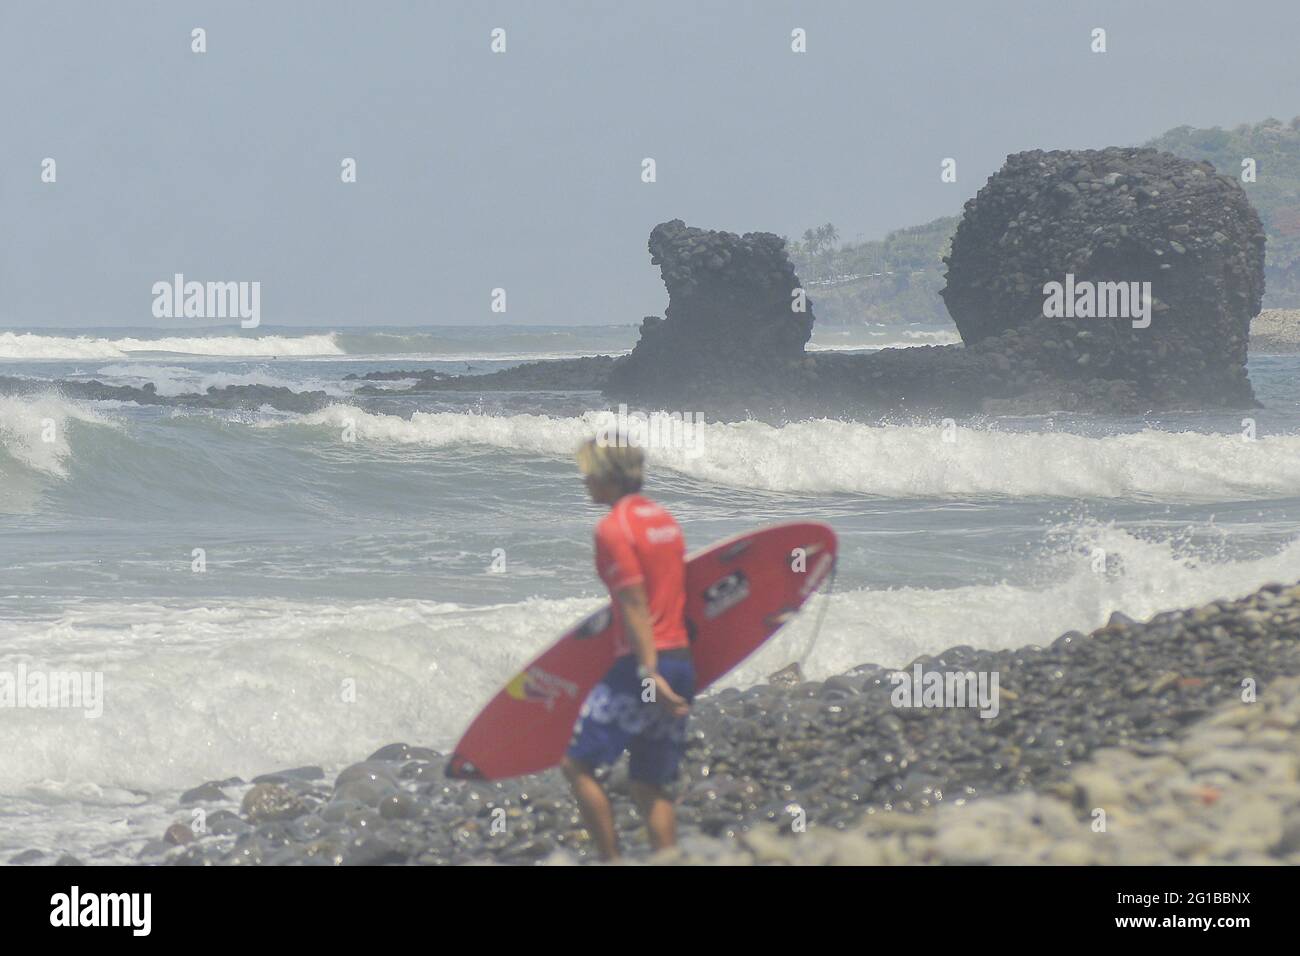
pixel 614 718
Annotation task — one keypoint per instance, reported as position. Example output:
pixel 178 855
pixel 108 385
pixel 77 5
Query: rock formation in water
pixel 1159 262
pixel 228 396
pixel 1099 221
pixel 733 323
pixel 1160 259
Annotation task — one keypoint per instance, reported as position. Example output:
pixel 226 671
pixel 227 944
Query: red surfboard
pixel 739 592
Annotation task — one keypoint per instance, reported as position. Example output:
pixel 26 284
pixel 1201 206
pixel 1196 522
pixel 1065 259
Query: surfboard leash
pixel 821 614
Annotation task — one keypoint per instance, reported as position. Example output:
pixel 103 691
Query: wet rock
pixel 178 834
pixel 231 396
pixel 206 793
pixel 270 801
pixel 295 775
pixel 154 849
pixel 368 793
pixel 369 771
pixel 372 851
pixel 224 823
pixel 397 806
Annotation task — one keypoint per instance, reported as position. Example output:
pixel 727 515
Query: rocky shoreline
pixel 1225 792
pixel 1144 721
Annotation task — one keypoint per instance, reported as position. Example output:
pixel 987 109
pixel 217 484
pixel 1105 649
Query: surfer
pixel 641 704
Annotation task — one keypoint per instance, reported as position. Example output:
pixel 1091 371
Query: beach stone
pixel 336 811
pixel 391 752
pixel 1072 853
pixel 153 849
pixel 269 801
pixel 225 823
pixel 372 851
pixel 1098 788
pixel 397 806
pixel 368 771
pixel 178 834
pixel 364 791
pixel 767 847
pixel 208 792
pixel 969 842
pixel 294 775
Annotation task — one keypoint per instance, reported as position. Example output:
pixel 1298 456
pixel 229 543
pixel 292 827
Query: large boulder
pixel 1113 215
pixel 731 326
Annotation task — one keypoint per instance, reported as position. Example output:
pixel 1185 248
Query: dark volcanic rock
pixel 581 374
pixel 732 343
pixel 230 396
pixel 732 346
pixel 394 376
pixel 730 322
pixel 1113 215
pixel 210 791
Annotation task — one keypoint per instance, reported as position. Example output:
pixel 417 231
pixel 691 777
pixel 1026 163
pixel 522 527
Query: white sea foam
pixel 30 345
pixel 171 380
pixel 195 693
pixel 817 457
pixel 893 626
pixel 882 338
pixel 34 430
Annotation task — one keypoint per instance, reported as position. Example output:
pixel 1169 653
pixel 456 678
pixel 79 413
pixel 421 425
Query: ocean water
pixel 348 597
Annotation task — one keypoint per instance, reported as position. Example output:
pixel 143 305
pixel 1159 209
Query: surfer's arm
pixel 635 607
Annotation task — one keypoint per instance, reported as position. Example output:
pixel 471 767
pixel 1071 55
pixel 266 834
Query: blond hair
pixel 616 463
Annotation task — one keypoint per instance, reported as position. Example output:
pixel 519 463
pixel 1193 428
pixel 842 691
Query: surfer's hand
pixel 666 697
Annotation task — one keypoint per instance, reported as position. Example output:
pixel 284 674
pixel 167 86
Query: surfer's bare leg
pixel 593 802
pixel 658 811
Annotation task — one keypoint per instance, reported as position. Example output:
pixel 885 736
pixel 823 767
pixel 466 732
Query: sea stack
pixel 733 325
pixel 1117 215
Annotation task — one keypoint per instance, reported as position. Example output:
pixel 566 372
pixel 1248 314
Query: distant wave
pixel 908 461
pixel 502 343
pixel 29 345
pixel 450 344
pixel 809 457
pixel 843 340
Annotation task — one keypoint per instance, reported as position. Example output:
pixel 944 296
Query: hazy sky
pixel 523 170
